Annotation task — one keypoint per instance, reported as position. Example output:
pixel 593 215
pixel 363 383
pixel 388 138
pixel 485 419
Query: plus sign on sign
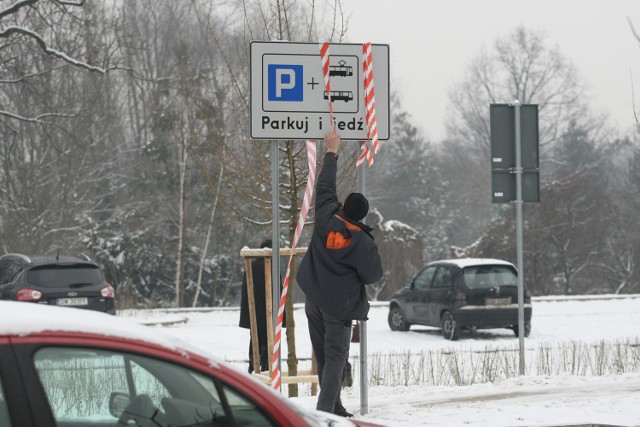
pixel 289 99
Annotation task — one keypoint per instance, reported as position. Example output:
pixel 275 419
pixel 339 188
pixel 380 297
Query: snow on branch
pixel 22 3
pixel 16 7
pixel 36 119
pixel 43 45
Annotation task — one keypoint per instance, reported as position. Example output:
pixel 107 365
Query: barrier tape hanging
pixel 372 134
pixel 369 96
pixel 370 108
pixel 306 204
pixel 326 63
pixel 276 377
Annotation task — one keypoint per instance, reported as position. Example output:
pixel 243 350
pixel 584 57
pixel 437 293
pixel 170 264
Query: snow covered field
pixel 557 398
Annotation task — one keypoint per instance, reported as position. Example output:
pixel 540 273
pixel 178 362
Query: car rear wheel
pixel 396 320
pixel 527 329
pixel 450 329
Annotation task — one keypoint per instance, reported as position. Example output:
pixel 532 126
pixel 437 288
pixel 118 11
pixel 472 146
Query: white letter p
pixel 280 72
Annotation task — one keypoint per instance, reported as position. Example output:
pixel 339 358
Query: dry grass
pixel 454 367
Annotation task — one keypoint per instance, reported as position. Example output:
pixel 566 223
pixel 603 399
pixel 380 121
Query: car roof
pixel 472 262
pixel 23 319
pixel 37 260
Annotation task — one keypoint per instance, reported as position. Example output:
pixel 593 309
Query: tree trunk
pixel 181 228
pixel 206 245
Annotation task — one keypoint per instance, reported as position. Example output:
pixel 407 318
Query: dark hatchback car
pixel 461 294
pixel 71 281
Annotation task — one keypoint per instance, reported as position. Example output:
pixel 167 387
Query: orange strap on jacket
pixel 336 240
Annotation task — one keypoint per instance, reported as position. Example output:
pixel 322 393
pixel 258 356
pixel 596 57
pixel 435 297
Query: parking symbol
pixel 285 83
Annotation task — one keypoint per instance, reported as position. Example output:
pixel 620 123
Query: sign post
pixel 515 177
pixel 289 101
pixel 275 234
pixel 364 378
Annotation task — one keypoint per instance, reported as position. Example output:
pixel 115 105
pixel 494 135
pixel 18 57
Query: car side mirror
pixel 118 402
pixel 410 285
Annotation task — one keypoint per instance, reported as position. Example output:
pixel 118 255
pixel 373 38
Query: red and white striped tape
pixel 366 154
pixel 306 204
pixel 326 62
pixel 370 108
pixel 369 96
pixel 276 378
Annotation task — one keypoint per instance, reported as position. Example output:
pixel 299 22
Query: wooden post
pixel 269 310
pixel 303 376
pixel 314 370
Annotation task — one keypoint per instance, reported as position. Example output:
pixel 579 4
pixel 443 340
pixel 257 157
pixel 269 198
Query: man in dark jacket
pixel 257 268
pixel 342 258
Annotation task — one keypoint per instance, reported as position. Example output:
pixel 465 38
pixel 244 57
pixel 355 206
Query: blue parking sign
pixel 285 82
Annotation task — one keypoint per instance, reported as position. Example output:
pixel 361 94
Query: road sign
pixel 503 153
pixel 289 98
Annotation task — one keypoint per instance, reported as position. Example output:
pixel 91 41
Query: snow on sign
pixel 289 99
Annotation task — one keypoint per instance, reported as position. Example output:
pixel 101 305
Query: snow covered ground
pixel 530 400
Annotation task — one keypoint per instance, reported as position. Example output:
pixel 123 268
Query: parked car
pixel 63 367
pixel 72 280
pixel 461 294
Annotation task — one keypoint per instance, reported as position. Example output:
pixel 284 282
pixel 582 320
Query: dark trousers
pixel 330 339
pixel 263 351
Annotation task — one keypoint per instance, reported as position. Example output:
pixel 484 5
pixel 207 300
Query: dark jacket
pixel 257 268
pixel 342 257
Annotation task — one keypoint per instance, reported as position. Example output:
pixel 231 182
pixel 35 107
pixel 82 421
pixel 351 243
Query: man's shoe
pixel 341 411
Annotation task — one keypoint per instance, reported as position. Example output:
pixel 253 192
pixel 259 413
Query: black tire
pixel 527 330
pixel 396 320
pixel 450 329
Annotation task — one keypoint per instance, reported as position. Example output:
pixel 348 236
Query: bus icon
pixel 340 95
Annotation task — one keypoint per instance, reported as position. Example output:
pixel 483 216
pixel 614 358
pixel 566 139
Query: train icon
pixel 341 70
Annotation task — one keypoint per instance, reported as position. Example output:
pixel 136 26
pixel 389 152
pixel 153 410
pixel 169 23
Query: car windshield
pixel 61 276
pixel 489 276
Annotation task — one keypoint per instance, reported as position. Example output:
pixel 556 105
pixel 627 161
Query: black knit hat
pixel 266 243
pixel 356 206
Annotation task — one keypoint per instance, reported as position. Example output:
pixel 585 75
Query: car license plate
pixel 73 301
pixel 497 301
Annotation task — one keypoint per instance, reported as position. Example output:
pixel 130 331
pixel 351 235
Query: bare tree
pixel 44 26
pixel 520 67
pixel 636 35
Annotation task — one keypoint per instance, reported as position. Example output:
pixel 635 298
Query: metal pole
pixel 519 250
pixel 364 377
pixel 275 234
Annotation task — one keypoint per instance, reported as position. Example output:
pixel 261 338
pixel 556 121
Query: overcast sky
pixel 433 41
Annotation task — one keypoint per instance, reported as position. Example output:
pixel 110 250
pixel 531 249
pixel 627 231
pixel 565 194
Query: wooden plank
pixel 255 347
pixel 300 379
pixel 266 252
pixel 264 377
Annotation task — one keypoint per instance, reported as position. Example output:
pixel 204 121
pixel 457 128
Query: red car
pixel 66 367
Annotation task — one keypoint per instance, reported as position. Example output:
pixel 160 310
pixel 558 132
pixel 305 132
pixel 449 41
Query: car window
pixel 6 272
pixel 87 386
pixel 442 278
pixel 489 276
pixel 61 276
pixel 423 279
pixel 5 421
